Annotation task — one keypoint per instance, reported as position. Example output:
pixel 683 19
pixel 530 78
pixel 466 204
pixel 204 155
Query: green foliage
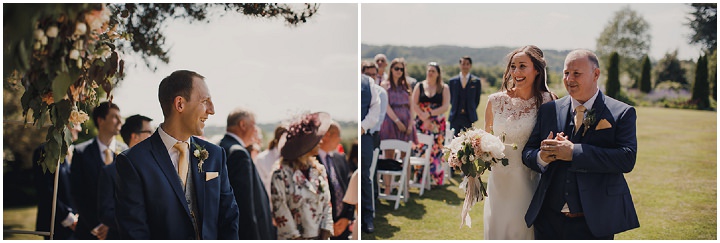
pixel 628 34
pixel 703 22
pixel 645 83
pixel 669 69
pixel 701 92
pixel 712 67
pixel 612 88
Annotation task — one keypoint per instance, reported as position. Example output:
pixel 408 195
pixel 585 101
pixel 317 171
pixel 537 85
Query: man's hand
pixel 546 151
pixel 340 226
pixel 564 147
pixel 73 226
pixel 558 148
pixel 100 231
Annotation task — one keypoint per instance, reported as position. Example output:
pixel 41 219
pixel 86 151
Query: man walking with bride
pixel 581 154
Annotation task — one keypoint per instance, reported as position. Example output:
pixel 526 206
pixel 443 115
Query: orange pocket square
pixel 210 175
pixel 603 124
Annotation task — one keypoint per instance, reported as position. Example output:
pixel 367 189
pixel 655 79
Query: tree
pixel 66 55
pixel 701 89
pixel 612 87
pixel 668 69
pixel 628 34
pixel 645 84
pixel 712 67
pixel 703 21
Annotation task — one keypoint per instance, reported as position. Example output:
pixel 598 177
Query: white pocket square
pixel 210 175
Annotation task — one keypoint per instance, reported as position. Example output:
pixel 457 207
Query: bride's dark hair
pixel 538 60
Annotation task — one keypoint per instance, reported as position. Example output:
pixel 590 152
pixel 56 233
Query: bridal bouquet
pixel 474 151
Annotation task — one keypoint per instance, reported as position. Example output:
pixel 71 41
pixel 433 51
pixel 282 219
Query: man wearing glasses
pixel 382 63
pixel 136 129
pixel 465 93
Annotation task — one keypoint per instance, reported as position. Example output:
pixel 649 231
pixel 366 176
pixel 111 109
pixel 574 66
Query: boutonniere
pixel 202 154
pixel 589 120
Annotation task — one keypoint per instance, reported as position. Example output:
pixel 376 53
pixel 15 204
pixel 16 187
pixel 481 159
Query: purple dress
pixel 399 101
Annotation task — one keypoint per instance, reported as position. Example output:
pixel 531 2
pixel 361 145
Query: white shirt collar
pixel 242 143
pixel 323 155
pixel 112 146
pixel 467 77
pixel 588 104
pixel 168 140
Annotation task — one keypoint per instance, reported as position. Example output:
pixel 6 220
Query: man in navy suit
pixel 173 185
pixel 465 93
pixel 87 162
pixel 250 194
pixel 338 176
pixel 582 144
pixel 65 212
pixel 136 129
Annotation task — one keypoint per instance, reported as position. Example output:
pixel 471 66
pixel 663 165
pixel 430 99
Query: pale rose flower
pixel 37 46
pixel 80 29
pixel 44 40
pixel 38 34
pixel 98 19
pixel 472 158
pixel 74 54
pixel 52 31
pixel 78 116
pixel 196 153
pixel 79 62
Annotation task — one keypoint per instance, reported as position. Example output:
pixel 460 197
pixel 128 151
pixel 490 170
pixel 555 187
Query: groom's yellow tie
pixel 182 147
pixel 579 115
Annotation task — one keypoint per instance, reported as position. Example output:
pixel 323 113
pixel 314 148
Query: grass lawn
pixel 674 187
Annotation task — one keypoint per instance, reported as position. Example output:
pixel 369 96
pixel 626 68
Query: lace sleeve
pixel 547 97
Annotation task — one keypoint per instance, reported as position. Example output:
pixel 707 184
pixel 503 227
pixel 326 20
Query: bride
pixel 511 113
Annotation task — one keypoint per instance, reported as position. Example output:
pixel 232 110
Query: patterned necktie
pixel 108 156
pixel 182 147
pixel 579 115
pixel 337 189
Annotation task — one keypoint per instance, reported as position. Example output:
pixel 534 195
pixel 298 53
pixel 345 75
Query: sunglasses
pixel 434 64
pixel 398 69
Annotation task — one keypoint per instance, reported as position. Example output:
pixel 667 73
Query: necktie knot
pixel 108 156
pixel 579 116
pixel 580 108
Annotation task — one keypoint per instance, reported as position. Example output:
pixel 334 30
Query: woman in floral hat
pixel 299 193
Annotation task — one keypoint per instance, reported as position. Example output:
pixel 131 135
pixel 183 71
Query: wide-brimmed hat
pixel 303 135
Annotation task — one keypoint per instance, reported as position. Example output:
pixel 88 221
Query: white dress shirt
pixel 169 142
pixel 373 115
pixel 265 163
pixel 103 147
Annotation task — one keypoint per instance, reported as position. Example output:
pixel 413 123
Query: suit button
pixel 566 194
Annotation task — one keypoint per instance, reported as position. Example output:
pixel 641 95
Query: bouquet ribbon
pixel 473 194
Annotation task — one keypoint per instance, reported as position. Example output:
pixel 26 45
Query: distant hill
pixel 449 55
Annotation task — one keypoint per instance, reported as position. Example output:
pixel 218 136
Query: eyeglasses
pixel 434 64
pixel 398 69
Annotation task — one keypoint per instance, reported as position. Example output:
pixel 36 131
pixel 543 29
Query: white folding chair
pixel 373 165
pixel 400 147
pixel 424 161
pixel 449 136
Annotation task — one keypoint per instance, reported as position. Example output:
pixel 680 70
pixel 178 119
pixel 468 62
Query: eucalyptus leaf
pixel 60 86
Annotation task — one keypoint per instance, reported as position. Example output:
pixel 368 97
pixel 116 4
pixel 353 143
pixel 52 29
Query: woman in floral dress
pixel 299 193
pixel 430 101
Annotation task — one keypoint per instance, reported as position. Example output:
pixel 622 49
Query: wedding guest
pixel 352 157
pixel 370 69
pixel 266 159
pixel 87 162
pixel 338 176
pixel 370 116
pixel 65 212
pixel 398 123
pixel 465 91
pixel 511 113
pixel 583 193
pixel 173 185
pixel 250 194
pixel 254 150
pixel 381 62
pixel 136 129
pixel 300 192
pixel 430 101
pixel 351 196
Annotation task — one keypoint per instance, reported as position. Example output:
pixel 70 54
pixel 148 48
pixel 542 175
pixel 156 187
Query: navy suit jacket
pixel 342 171
pixel 86 166
pixel 252 199
pixel 150 199
pixel 44 187
pixel 599 158
pixel 106 200
pixel 473 89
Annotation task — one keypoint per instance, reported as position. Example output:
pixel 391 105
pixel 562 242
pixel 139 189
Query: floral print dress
pixel 436 128
pixel 301 205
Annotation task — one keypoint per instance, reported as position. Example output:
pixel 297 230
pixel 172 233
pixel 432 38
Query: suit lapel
pixel 599 109
pixel 95 157
pixel 162 158
pixel 198 179
pixel 562 107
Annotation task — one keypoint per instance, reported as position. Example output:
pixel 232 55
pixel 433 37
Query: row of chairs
pixel 399 179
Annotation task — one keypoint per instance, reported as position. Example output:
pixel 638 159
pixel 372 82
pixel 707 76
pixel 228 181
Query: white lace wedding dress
pixel 511 187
